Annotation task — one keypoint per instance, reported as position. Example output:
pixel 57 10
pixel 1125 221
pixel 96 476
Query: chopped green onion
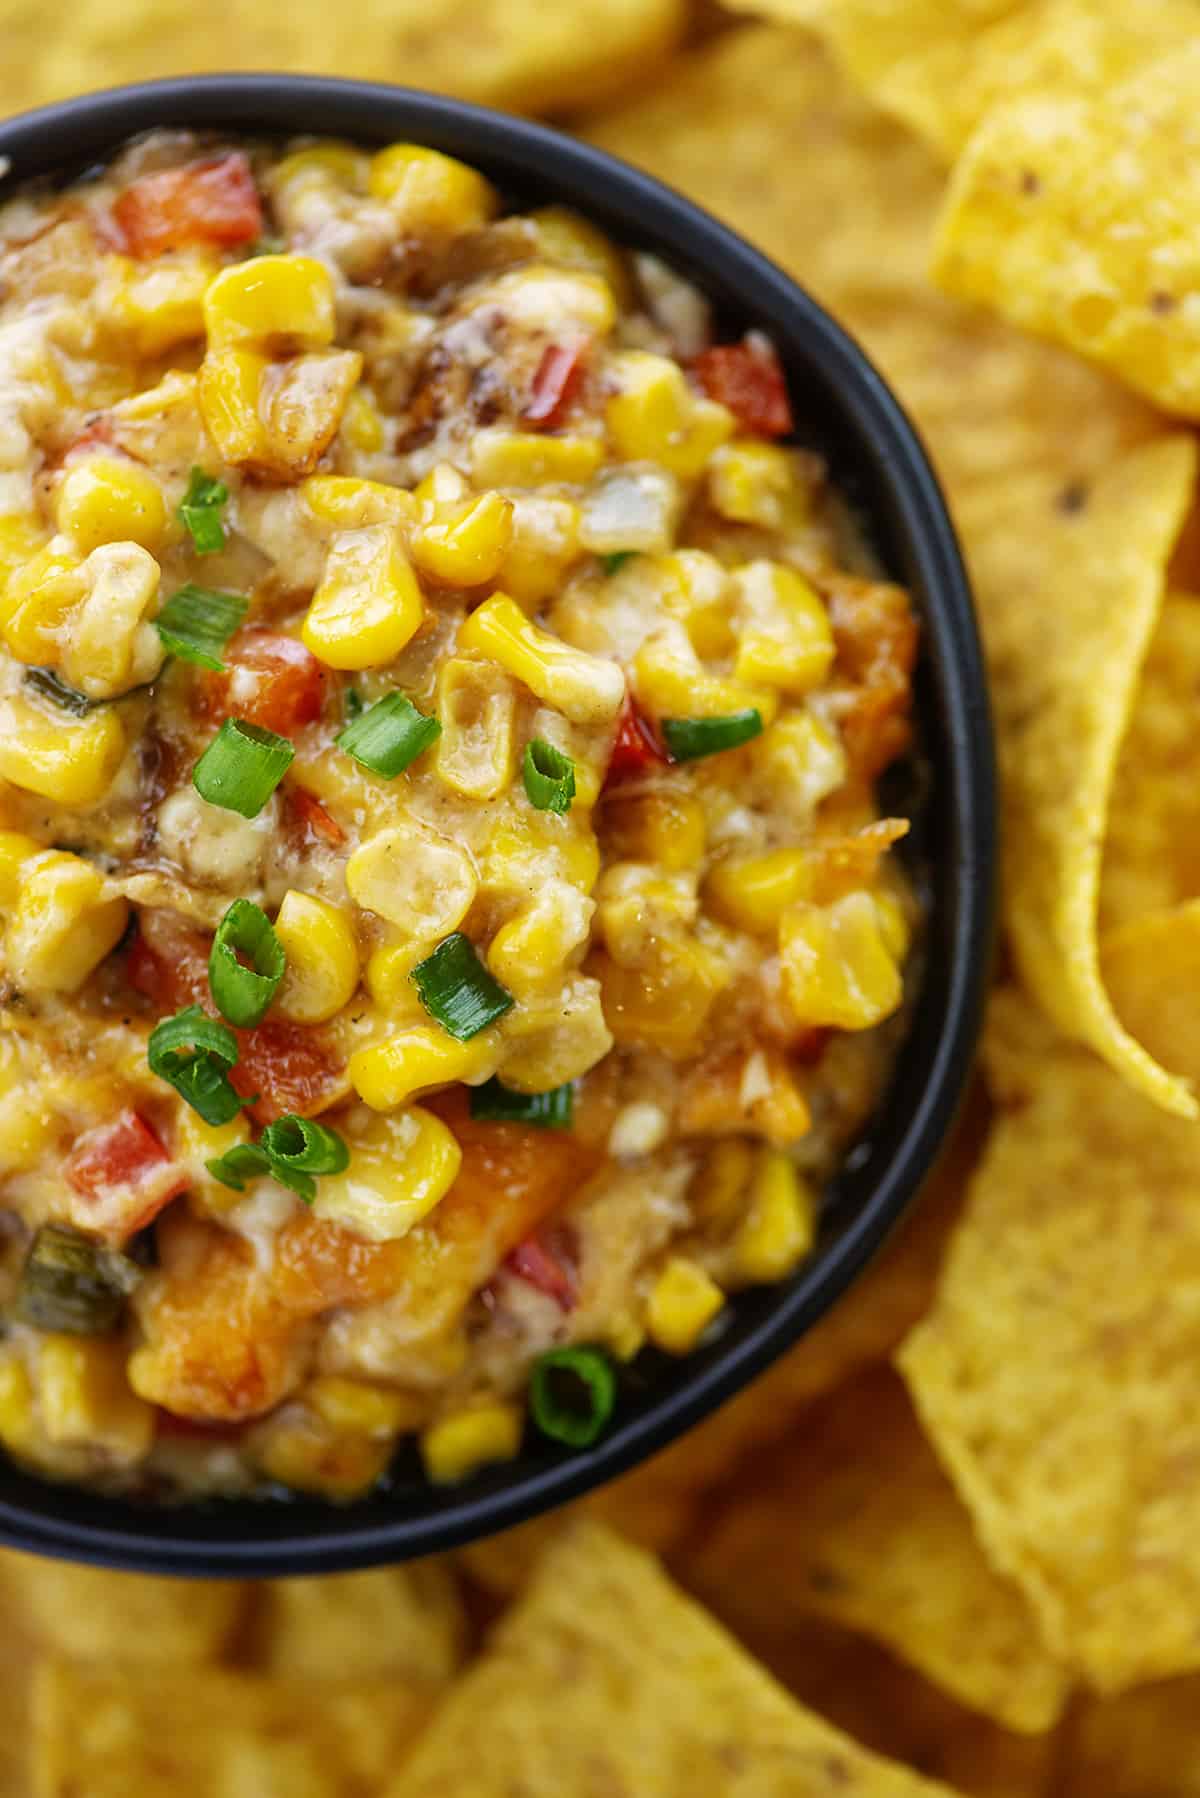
pixel 352 702
pixel 194 1053
pixel 243 994
pixel 549 776
pixel 572 1393
pixel 197 622
pixel 497 1104
pixel 242 767
pixel 239 1164
pixel 71 1283
pixel 690 738
pixel 389 735
pixel 457 989
pixel 617 559
pixel 47 683
pixel 200 511
pixel 269 244
pixel 292 1150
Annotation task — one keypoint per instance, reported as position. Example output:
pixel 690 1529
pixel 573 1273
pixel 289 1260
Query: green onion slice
pixel 241 1163
pixel 242 767
pixel 244 993
pixel 197 622
pixel 457 989
pixel 572 1393
pixel 193 1053
pixel 389 735
pixel 617 559
pixel 497 1104
pixel 72 1283
pixel 200 511
pixel 353 703
pixel 47 683
pixel 549 776
pixel 293 1150
pixel 690 738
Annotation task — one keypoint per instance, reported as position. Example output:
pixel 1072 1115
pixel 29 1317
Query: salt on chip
pixel 110 1732
pixel 605 1678
pixel 396 1622
pixel 1056 1371
pixel 1077 215
pixel 877 1539
pixel 126 1617
pixel 1145 1744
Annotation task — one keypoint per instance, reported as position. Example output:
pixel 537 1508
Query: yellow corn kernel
pixel 21 538
pixel 417 1061
pixel 322 958
pixel 697 590
pixel 503 458
pixel 656 417
pixel 683 1302
pixel 667 828
pixel 529 847
pixel 388 981
pixel 752 892
pixel 459 1445
pixel 780 1227
pixel 787 639
pixel 419 881
pixel 626 1336
pixel 349 503
pixel 476 707
pixel 19 1430
pixel 359 1409
pixel 342 163
pixel 431 192
pixel 750 482
pixel 196 1143
pixel 61 926
pixel 153 307
pixel 587 688
pixel 716 1191
pixel 400 1168
pixel 15 850
pixel 641 910
pixel 281 304
pixel 894 926
pixel 664 1006
pixel 368 605
pixel 85 1399
pixel 228 389
pixel 532 949
pixel 801 757
pixel 71 760
pixel 444 485
pixel 301 403
pixel 110 643
pixel 671 682
pixel 362 424
pixel 552 300
pixel 464 543
pixel 545 542
pixel 298 1450
pixel 836 967
pixel 162 425
pixel 555 1036
pixel 37 600
pixel 107 499
pixel 568 238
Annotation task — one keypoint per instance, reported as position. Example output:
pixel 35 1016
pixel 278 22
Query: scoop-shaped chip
pixel 852 1518
pixel 403 1622
pixel 124 1617
pixel 1056 1371
pixel 605 1678
pixel 1136 1746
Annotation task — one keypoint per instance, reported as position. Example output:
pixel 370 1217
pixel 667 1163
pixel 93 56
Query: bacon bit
pixel 635 749
pixel 533 1262
pixel 270 680
pixel 123 1176
pixel 747 378
pixel 215 201
pixel 556 382
pixel 308 814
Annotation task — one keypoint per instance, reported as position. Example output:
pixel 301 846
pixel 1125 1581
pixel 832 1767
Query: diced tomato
pixel 810 1045
pixel 636 748
pixel 748 379
pixel 534 1262
pixel 168 961
pixel 308 814
pixel 214 201
pixel 269 679
pixel 556 382
pixel 122 1177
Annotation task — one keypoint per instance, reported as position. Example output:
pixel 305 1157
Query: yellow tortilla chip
pixel 1152 969
pixel 1056 1372
pixel 132 1617
pixel 877 1539
pixel 1078 216
pixel 104 1732
pixel 403 1622
pixel 604 1678
pixel 1143 1745
pixel 17 1656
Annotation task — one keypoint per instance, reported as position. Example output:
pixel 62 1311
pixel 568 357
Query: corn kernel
pixel 228 389
pixel 18 1418
pixel 350 504
pixel 38 598
pixel 86 1401
pixel 545 542
pixel 418 1060
pixel 664 1006
pixel 801 759
pixel 671 682
pixel 15 851
pixel 752 892
pixel 667 828
pixel 62 926
pixel 626 1336
pixel 106 499
pixel 836 967
pixel 587 688
pixel 459 1445
pixel 532 949
pixel 368 605
pixel 431 192
pixel 444 485
pixel 631 508
pixel 322 958
pixel 655 416
pixel 195 1144
pixel 71 761
pixel 300 1451
pixel 787 639
pixel 893 925
pixel 716 1191
pixel 301 403
pixel 697 590
pixel 750 482
pixel 683 1302
pixel 388 979
pixel 111 644
pixel 568 238
pixel 464 543
pixel 421 882
pixel 503 458
pixel 359 1409
pixel 552 300
pixel 400 1168
pixel 21 539
pixel 780 1226
pixel 279 304
pixel 362 423
pixel 555 1036
pixel 476 707
pixel 154 307
pixel 332 161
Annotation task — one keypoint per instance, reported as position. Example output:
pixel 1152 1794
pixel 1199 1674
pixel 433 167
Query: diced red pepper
pixel 556 382
pixel 747 378
pixel 121 1176
pixel 308 814
pixel 810 1045
pixel 550 1273
pixel 269 679
pixel 214 201
pixel 192 1429
pixel 636 748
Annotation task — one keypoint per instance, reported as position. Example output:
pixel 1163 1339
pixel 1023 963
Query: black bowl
pixel 848 413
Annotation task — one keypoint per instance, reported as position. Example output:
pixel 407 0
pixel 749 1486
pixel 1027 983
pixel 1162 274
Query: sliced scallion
pixel 47 683
pixel 572 1394
pixel 193 1053
pixel 389 735
pixel 243 1162
pixel 352 704
pixel 690 738
pixel 298 1149
pixel 617 559
pixel 496 1104
pixel 458 990
pixel 73 1284
pixel 200 512
pixel 244 993
pixel 197 622
pixel 549 777
pixel 242 767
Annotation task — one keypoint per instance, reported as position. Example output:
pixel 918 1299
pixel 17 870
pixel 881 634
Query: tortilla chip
pixel 108 1732
pixel 131 1617
pixel 403 1622
pixel 1143 1745
pixel 1056 1372
pixel 517 53
pixel 1078 216
pixel 1152 969
pixel 885 1547
pixel 17 1656
pixel 605 1678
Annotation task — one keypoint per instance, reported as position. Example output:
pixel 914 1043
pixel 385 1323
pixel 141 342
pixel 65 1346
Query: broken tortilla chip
pixel 1151 967
pixel 127 1617
pixel 403 1622
pixel 1145 1744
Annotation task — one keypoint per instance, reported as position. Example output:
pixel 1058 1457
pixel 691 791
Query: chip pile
pixel 959 1522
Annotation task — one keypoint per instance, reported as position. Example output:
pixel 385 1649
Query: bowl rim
pixel 195 1540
